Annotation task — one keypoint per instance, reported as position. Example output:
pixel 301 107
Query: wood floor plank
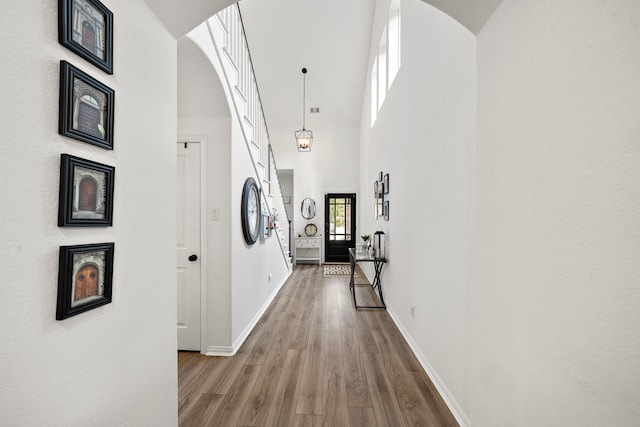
pixel 228 375
pixel 190 382
pixel 302 420
pixel 319 314
pixel 282 409
pixel 355 379
pixel 258 403
pixel 433 398
pixel 301 331
pixel 332 320
pixel 365 338
pixel 228 412
pixel 333 342
pixel 385 327
pixel 362 417
pixel 335 394
pixel 202 412
pixel 384 401
pixel 310 388
pixel 256 346
pixel 413 406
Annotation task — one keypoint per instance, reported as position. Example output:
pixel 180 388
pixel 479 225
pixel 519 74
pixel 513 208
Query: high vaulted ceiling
pixel 331 38
pixel 182 16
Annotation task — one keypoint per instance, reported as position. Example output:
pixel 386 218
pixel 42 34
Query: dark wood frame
pixel 68 165
pixel 65 307
pixel 68 104
pixel 66 30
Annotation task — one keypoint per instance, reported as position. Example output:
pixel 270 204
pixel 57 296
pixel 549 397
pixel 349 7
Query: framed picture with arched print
pixel 86 193
pixel 86 28
pixel 86 107
pixel 85 275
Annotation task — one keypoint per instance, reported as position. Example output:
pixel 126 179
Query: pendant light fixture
pixel 304 137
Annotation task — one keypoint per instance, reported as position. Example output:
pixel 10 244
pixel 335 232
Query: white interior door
pixel 188 245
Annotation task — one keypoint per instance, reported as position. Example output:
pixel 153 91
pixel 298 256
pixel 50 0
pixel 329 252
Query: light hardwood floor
pixel 313 360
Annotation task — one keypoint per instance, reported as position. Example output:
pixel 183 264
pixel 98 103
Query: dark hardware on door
pixel 193 258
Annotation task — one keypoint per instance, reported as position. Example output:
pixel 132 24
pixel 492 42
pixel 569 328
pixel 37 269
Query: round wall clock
pixel 250 211
pixel 310 229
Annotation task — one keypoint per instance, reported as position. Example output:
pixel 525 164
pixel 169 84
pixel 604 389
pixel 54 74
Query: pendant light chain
pixel 304 96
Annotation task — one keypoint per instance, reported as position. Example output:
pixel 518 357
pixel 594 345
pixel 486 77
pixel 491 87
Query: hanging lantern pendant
pixel 304 137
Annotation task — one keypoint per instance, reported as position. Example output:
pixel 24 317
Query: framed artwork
pixel 85 277
pixel 86 28
pixel 86 107
pixel 378 195
pixel 266 224
pixel 385 183
pixel 386 210
pixel 86 193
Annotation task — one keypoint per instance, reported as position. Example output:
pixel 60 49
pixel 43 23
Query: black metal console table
pixel 357 255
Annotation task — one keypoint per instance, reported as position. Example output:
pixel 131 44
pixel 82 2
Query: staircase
pixel 226 33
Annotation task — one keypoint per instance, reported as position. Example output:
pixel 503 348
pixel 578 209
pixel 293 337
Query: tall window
pixel 386 64
pixel 374 91
pixel 393 46
pixel 382 68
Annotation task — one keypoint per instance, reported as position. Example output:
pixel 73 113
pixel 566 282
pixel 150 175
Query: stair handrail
pixel 270 156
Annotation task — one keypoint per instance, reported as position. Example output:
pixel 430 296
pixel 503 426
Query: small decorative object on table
pixel 365 238
pixel 380 244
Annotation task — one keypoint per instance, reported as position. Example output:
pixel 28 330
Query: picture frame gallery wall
pixel 86 193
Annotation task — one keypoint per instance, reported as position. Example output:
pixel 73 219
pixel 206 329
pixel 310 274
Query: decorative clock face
pixel 252 206
pixel 250 211
pixel 310 229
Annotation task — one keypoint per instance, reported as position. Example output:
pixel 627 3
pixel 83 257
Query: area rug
pixel 338 270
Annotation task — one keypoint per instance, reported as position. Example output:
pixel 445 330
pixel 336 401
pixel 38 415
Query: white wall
pixel 242 278
pixel 114 365
pixel 332 166
pixel 251 265
pixel 556 300
pixel 209 116
pixel 424 137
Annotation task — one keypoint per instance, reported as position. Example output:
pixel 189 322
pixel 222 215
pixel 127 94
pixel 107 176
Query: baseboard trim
pixel 451 403
pixel 230 351
pixel 219 351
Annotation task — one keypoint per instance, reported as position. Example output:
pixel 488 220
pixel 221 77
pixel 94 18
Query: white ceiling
pixel 328 37
pixel 182 16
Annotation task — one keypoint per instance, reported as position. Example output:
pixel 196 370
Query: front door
pixel 339 226
pixel 188 245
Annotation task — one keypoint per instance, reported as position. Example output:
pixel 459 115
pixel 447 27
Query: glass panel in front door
pixel 340 219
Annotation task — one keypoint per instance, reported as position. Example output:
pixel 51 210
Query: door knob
pixel 193 258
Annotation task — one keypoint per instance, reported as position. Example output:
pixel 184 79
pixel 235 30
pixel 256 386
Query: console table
pixel 357 255
pixel 308 249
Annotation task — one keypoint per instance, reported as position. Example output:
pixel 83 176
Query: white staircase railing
pixel 228 36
